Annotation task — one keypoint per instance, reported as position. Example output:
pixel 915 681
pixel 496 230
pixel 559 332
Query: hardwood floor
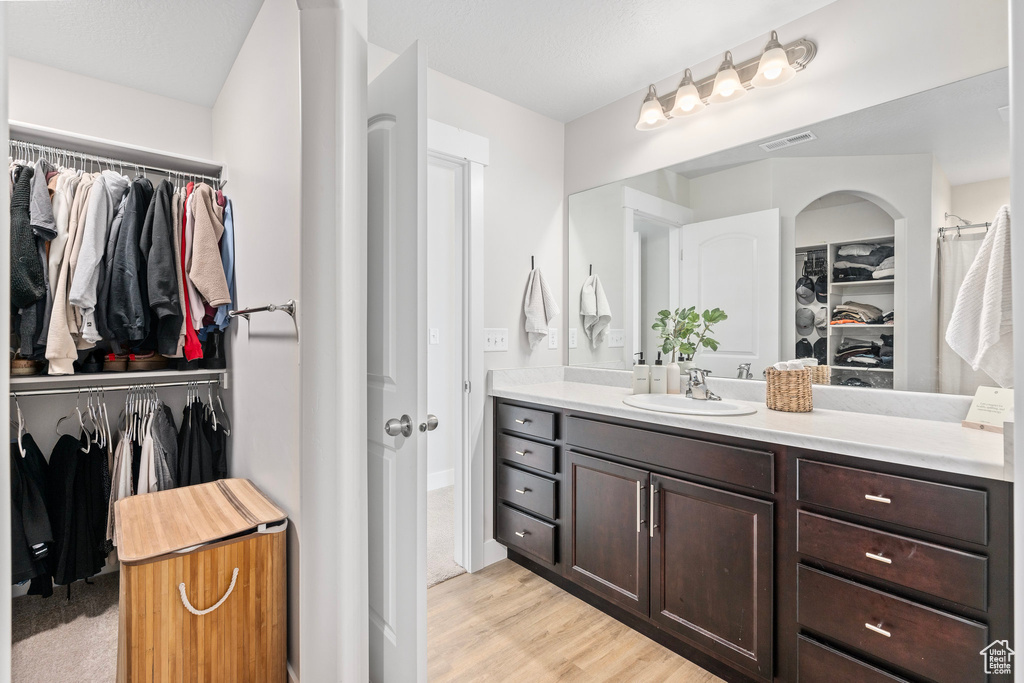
pixel 506 623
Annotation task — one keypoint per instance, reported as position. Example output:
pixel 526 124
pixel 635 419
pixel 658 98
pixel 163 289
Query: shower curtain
pixel 956 254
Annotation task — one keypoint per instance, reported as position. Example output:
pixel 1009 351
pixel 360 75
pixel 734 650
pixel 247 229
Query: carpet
pixel 56 640
pixel 441 536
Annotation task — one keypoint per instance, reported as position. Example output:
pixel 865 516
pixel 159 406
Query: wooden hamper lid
pixel 155 524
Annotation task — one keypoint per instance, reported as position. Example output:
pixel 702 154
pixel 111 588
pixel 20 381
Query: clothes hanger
pixel 77 410
pixel 21 426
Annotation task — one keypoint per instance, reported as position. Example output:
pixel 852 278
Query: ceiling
pixel 566 58
pixel 959 123
pixel 183 49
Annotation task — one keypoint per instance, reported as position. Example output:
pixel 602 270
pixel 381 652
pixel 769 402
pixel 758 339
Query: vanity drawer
pixel 935 644
pixel 817 664
pixel 939 508
pixel 743 467
pixel 946 573
pixel 528 453
pixel 526 490
pixel 527 421
pixel 524 532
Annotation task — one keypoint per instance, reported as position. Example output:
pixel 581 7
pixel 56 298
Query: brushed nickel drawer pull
pixel 877 499
pixel 523 490
pixel 878 629
pixel 654 513
pixel 522 453
pixel 877 557
pixel 524 421
pixel 522 534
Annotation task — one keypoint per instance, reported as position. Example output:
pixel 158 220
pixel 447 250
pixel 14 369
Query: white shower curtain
pixel 956 254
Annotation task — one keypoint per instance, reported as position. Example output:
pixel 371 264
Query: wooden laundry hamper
pixel 202 585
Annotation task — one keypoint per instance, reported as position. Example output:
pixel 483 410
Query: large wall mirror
pixel 823 242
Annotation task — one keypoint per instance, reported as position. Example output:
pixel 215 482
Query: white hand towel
pixel 539 306
pixel 981 327
pixel 594 309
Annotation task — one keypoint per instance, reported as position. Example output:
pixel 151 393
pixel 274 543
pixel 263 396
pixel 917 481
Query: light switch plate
pixel 435 335
pixel 552 337
pixel 616 339
pixel 495 339
pixel 573 331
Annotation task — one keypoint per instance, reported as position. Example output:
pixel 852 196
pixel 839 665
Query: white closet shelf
pixel 864 283
pixel 100 379
pixel 854 368
pixel 855 326
pixel 88 144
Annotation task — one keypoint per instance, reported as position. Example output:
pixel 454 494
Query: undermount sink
pixel 681 405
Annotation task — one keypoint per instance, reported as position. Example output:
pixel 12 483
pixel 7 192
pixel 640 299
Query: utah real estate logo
pixel 998 657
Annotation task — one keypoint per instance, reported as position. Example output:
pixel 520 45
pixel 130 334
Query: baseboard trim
pixel 493 552
pixel 292 677
pixel 438 480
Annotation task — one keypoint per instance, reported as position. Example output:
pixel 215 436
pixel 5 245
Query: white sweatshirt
pixel 103 202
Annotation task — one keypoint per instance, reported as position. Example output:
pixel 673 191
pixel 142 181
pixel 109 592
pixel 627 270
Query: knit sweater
pixel 27 286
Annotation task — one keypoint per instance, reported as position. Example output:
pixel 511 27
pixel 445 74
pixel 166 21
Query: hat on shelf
pixel 804 321
pixel 804 349
pixel 821 289
pixel 821 320
pixel 821 351
pixel 805 290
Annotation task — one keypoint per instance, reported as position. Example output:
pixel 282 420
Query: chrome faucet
pixel 697 388
pixel 743 371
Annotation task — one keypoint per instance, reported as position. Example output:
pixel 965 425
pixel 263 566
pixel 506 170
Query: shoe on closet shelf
pixel 93 362
pixel 21 367
pixel 140 362
pixel 182 365
pixel 116 362
pixel 213 352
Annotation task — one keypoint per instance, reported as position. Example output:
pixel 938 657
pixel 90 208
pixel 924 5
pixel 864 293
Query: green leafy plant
pixel 687 331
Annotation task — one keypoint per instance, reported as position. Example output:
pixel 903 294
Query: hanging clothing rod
pixel 53 152
pixel 112 387
pixel 958 228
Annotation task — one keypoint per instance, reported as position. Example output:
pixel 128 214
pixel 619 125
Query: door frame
pixel 471 152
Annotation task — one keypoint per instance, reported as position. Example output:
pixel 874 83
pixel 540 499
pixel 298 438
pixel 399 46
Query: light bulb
pixel 727 83
pixel 652 114
pixel 687 97
pixel 774 67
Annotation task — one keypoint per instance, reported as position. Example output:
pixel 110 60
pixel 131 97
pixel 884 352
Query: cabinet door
pixel 607 545
pixel 711 570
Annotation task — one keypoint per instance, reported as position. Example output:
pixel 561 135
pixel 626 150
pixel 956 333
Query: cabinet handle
pixel 878 629
pixel 639 488
pixel 877 499
pixel 522 534
pixel 879 558
pixel 523 490
pixel 524 421
pixel 654 510
pixel 522 453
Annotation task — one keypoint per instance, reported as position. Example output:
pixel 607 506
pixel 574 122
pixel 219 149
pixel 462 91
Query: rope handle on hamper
pixel 199 613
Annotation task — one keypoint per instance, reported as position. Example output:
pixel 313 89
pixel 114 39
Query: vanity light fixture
pixel 776 65
pixel 688 99
pixel 652 112
pixel 728 86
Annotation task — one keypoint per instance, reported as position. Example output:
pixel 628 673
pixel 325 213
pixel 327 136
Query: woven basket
pixel 789 390
pixel 821 374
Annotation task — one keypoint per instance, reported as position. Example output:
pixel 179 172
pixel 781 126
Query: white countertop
pixel 942 446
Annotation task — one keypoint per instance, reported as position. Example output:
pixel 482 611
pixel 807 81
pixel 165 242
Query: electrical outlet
pixel 616 339
pixel 496 339
pixel 573 331
pixel 552 337
pixel 435 335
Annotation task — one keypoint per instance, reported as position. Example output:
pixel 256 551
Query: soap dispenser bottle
pixel 658 377
pixel 641 375
pixel 672 379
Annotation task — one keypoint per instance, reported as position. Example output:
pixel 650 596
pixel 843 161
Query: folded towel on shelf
pixel 887 263
pixel 539 308
pixel 853 310
pixel 981 327
pixel 594 310
pixel 851 265
pixel 883 274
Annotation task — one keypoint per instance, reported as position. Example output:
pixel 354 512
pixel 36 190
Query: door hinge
pixel 467 386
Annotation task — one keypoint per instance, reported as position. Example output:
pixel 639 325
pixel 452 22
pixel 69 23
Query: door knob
pixel 430 425
pixel 394 426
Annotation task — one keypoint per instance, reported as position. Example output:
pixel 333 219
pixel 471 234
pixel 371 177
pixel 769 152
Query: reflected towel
pixel 981 328
pixel 594 310
pixel 539 307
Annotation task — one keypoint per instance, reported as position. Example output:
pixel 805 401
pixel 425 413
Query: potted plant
pixel 687 331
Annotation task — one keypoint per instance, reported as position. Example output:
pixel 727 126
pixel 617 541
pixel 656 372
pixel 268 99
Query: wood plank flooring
pixel 505 623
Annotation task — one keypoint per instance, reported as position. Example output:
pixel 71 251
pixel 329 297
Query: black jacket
pixel 161 270
pixel 75 499
pixel 31 536
pixel 127 302
pixel 27 277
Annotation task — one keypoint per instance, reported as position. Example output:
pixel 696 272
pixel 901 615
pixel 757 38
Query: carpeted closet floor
pixel 56 640
pixel 441 565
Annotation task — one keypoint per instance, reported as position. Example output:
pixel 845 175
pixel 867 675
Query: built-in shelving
pixel 858 326
pixel 101 379
pixel 855 368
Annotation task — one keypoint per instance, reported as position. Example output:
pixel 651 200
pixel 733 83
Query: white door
pixel 733 264
pixel 396 369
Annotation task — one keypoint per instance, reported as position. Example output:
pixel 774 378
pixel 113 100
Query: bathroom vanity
pixel 823 546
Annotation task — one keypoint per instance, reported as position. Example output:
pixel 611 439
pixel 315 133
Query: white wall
pixel 857 220
pixel 256 129
pixel 869 52
pixel 50 97
pixel 979 202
